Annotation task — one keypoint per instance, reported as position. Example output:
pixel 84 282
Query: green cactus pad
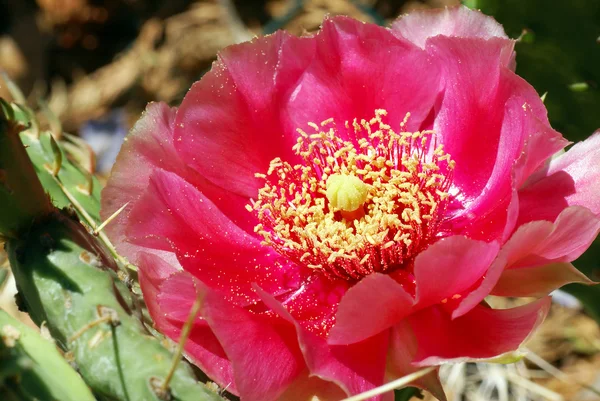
pixel 68 280
pixel 31 368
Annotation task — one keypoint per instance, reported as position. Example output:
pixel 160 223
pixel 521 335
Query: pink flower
pixel 343 203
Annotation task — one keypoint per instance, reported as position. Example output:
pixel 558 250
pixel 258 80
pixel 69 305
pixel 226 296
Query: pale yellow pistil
pixel 347 193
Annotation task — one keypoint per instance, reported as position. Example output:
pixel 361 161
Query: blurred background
pixel 96 63
pixel 90 57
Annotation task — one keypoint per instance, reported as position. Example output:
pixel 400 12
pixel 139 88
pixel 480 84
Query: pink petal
pixel 359 68
pixel 228 126
pixel 482 333
pixel 173 215
pixel 374 304
pixel 314 304
pixel 512 213
pixel 481 95
pixel 537 252
pixel 310 388
pixel 403 348
pixel 540 242
pixel 263 349
pixel 355 368
pixel 420 25
pixel 169 295
pixel 152 271
pixel 540 146
pixel 572 179
pixel 484 288
pixel 149 147
pixel 451 266
pixel 537 281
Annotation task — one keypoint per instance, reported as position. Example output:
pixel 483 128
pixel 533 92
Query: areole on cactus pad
pixel 343 203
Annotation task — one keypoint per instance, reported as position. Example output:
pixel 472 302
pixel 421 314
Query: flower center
pixel 367 203
pixel 346 193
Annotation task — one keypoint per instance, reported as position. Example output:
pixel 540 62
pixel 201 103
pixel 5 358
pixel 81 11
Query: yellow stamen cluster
pixel 357 205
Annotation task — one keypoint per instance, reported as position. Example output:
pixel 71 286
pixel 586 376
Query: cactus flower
pixel 342 203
